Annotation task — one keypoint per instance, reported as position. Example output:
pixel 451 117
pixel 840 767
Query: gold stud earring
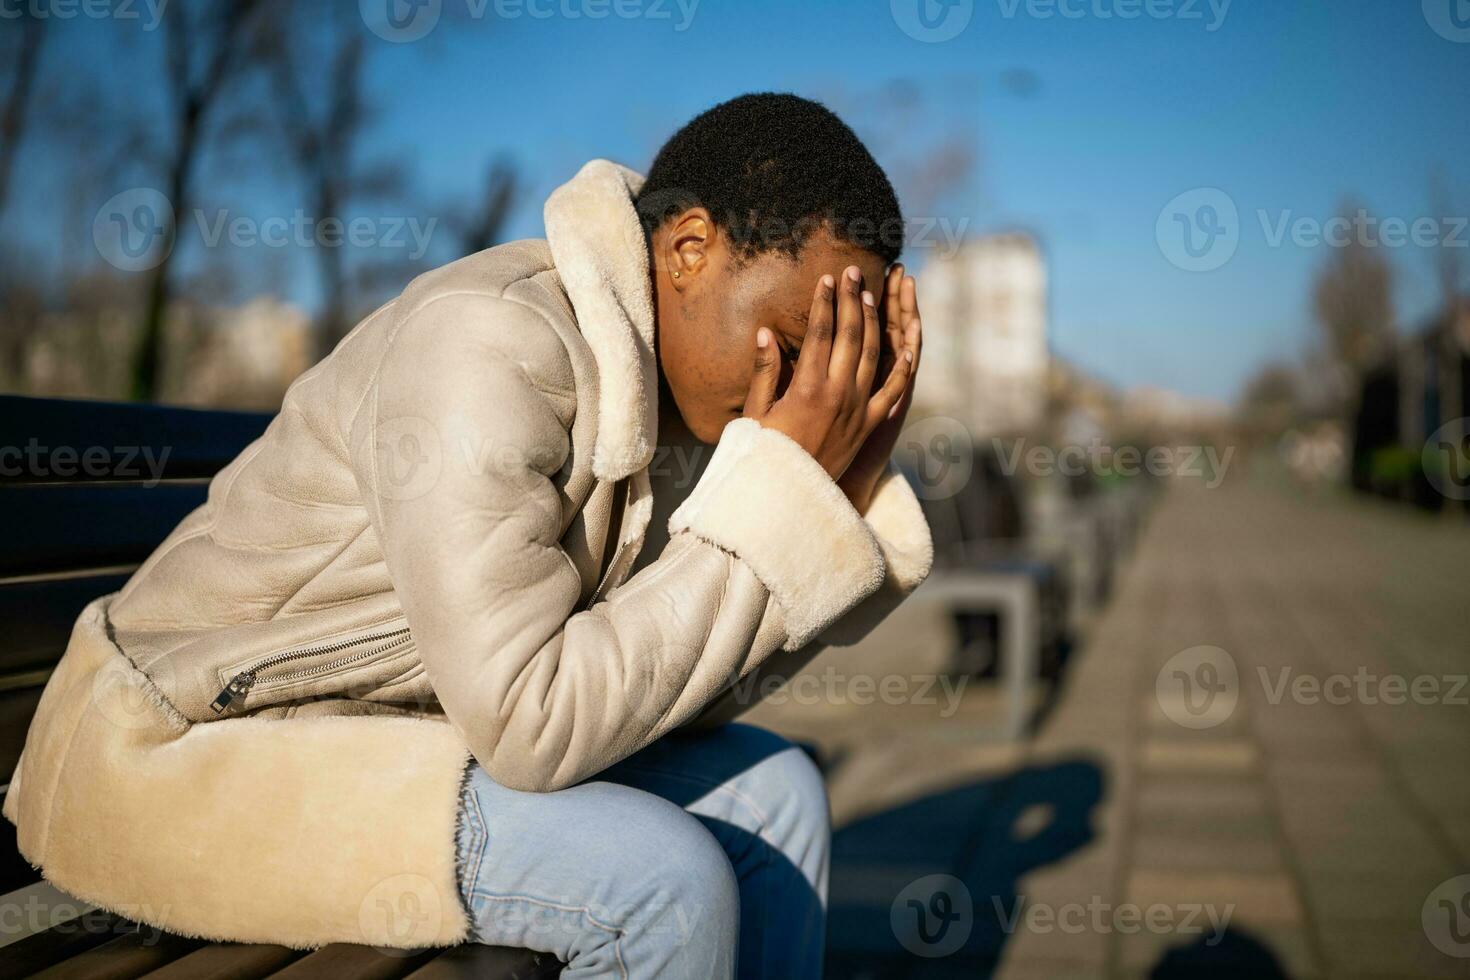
pixel 676 275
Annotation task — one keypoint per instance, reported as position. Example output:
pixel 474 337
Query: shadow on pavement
pixel 929 888
pixel 1236 954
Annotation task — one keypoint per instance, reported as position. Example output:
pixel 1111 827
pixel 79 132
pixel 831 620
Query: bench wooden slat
pixel 65 527
pixel 36 953
pixel 475 962
pixel 124 957
pixel 38 616
pixel 15 871
pixel 340 961
pixel 228 961
pixel 198 443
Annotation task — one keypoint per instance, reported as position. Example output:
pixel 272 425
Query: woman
pixel 445 654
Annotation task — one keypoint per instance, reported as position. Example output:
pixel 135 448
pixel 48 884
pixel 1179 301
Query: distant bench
pixel 87 491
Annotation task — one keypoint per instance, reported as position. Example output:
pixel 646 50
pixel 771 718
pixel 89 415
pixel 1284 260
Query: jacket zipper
pixel 241 683
pixel 612 568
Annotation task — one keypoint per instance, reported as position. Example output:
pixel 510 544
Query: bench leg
pixel 1020 658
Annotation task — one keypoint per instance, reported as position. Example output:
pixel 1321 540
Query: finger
pixel 892 311
pixel 816 346
pixel 913 334
pixel 872 345
pixel 763 382
pixel 913 339
pixel 881 405
pixel 847 340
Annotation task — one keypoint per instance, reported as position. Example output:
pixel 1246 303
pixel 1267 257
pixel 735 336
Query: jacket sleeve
pixel 897 522
pixel 457 448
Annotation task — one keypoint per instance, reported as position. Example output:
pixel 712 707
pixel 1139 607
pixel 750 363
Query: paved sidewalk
pixel 1195 767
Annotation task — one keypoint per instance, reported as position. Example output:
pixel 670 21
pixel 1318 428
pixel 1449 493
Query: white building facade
pixel 985 326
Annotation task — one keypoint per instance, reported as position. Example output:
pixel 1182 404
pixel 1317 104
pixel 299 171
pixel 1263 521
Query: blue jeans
pixel 701 847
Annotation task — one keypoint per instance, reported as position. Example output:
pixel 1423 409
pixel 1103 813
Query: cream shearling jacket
pixel 426 560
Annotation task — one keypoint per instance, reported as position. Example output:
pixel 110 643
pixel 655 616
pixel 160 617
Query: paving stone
pixel 1359 948
pixel 1258 898
pixel 1341 897
pixel 1203 850
pixel 1199 755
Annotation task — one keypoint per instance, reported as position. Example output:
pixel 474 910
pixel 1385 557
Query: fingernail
pixel 828 282
pixel 854 274
pixel 763 337
pixel 908 356
pixel 867 298
pixel 893 411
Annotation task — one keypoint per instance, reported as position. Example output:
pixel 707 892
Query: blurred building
pixel 985 325
pixel 246 356
pixel 225 357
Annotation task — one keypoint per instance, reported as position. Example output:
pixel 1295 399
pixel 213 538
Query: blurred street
pixel 1311 833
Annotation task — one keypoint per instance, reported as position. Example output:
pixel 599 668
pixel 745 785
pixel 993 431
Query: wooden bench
pixel 87 490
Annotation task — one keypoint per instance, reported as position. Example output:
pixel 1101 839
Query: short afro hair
pixel 772 169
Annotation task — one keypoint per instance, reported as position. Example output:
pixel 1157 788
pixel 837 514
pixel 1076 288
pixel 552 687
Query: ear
pixel 687 245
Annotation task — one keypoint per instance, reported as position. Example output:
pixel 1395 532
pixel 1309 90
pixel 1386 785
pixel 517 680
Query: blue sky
pixel 1287 106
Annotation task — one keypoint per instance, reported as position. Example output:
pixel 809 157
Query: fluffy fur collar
pixel 601 255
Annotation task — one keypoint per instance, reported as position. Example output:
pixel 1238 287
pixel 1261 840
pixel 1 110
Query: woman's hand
pixel 830 409
pixel 902 332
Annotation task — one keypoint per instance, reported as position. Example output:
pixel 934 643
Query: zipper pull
pixel 238 687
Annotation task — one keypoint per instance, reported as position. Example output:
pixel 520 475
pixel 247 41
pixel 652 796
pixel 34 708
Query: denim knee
pixel 684 881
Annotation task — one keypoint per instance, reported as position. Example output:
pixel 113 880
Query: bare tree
pixel 1447 258
pixel 205 52
pixel 1271 402
pixel 486 223
pixel 321 141
pixel 17 96
pixel 1353 299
